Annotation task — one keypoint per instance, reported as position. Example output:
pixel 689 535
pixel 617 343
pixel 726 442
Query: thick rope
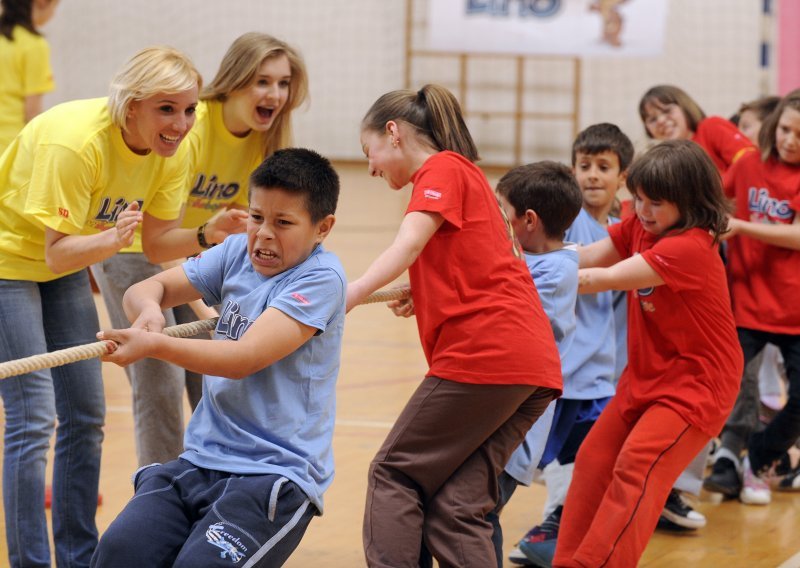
pixel 101 348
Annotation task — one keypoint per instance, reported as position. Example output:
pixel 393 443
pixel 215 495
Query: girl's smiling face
pixel 385 158
pixel 787 136
pixel 656 216
pixel 666 122
pixel 159 123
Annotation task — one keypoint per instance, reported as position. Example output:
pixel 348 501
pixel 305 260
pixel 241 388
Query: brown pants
pixel 435 477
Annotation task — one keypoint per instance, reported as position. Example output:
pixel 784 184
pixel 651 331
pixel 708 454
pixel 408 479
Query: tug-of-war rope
pixel 100 348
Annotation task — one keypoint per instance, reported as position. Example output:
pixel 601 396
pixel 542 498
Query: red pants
pixel 623 474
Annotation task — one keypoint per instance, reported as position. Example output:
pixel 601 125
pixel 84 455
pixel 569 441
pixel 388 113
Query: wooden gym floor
pixel 381 365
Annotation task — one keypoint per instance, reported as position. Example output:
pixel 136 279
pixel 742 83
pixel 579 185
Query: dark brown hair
pixel 680 171
pixel 549 189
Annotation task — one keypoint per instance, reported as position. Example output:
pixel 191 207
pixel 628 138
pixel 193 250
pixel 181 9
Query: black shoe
pixel 679 512
pixel 724 478
pixel 790 481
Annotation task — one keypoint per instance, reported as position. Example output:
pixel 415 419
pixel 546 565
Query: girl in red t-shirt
pixel 764 267
pixel 493 361
pixel 684 360
pixel 668 113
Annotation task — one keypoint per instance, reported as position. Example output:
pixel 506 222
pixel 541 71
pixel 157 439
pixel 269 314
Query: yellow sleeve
pixel 37 74
pixel 60 190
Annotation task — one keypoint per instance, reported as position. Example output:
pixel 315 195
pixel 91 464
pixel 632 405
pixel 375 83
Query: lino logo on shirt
pixel 232 324
pixel 432 194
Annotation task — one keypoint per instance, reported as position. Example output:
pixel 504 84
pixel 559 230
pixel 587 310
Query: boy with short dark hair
pixel 541 201
pixel 601 155
pixel 257 453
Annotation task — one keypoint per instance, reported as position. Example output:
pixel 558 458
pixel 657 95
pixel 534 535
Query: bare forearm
pixel 173 244
pixel 74 252
pixel 229 359
pixel 779 235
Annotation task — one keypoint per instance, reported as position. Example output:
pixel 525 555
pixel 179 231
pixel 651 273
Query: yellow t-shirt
pixel 70 170
pixel 221 165
pixel 25 71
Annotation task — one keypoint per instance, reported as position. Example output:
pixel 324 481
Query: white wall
pixel 355 51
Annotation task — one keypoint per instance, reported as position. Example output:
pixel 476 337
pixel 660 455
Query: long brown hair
pixel 434 113
pixel 238 69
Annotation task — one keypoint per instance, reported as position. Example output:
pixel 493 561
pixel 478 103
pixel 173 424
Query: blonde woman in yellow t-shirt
pixel 24 63
pixel 244 115
pixel 74 186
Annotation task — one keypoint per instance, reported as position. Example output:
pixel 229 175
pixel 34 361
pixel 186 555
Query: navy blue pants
pixel 185 516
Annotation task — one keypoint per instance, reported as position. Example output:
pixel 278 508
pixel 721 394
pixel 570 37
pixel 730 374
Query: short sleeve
pixel 677 258
pixel 622 236
pixel 37 75
pixel 60 189
pixel 314 298
pixel 439 189
pixel 206 271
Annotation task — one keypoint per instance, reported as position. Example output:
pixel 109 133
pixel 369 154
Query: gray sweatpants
pixel 157 386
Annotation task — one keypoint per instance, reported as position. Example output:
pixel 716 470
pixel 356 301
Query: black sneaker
pixel 724 478
pixel 790 481
pixel 680 513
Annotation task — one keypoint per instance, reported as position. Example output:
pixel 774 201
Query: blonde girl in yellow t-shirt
pixel 24 63
pixel 244 115
pixel 74 186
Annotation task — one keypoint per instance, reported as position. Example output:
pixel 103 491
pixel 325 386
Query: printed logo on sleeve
pixel 62 212
pixel 300 298
pixel 432 194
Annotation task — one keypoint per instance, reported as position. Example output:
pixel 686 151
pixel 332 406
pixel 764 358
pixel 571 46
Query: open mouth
pixel 265 256
pixel 169 139
pixel 265 113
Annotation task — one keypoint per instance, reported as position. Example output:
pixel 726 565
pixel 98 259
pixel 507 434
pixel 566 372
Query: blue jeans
pixel 39 317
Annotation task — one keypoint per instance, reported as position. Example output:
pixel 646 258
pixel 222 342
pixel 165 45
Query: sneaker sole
pixel 683 522
pixel 759 501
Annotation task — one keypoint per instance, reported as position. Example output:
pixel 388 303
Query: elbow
pixel 154 254
pixel 56 263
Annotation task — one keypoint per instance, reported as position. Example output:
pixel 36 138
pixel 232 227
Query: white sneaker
pixel 755 490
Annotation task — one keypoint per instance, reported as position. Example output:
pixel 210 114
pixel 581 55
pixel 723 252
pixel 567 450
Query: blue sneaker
pixel 539 545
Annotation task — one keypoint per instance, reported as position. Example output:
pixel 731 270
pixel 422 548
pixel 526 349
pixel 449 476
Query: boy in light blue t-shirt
pixel 258 452
pixel 601 155
pixel 541 200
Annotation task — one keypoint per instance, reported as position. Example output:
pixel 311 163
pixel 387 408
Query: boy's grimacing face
pixel 599 178
pixel 280 233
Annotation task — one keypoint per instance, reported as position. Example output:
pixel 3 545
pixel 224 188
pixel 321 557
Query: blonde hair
pixel 238 69
pixel 152 70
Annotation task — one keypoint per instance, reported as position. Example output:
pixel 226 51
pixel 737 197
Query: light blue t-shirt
pixel 279 420
pixel 555 274
pixel 590 371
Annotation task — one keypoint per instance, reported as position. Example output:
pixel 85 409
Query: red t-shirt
pixel 479 315
pixel 764 278
pixel 722 140
pixel 683 350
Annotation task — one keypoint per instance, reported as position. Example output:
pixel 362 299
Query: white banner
pixel 628 28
